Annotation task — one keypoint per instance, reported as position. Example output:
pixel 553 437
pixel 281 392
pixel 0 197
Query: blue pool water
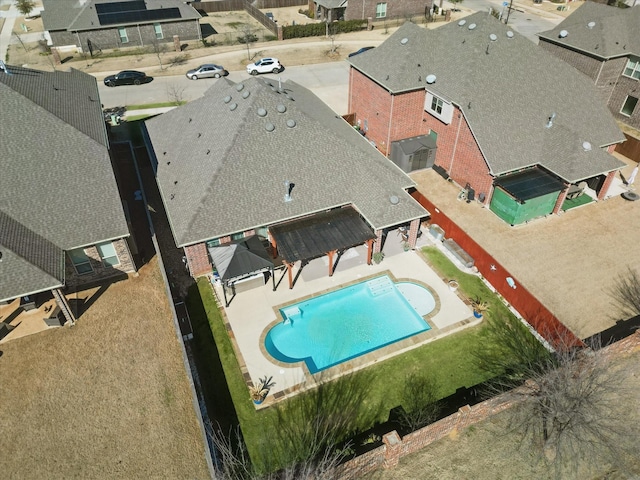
pixel 338 326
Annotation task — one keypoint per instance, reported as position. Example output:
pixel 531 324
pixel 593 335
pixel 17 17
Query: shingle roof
pixel 220 169
pixel 332 3
pixel 599 30
pixel 75 15
pixel 507 89
pixel 57 183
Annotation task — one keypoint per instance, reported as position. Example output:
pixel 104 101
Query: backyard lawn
pixel 449 362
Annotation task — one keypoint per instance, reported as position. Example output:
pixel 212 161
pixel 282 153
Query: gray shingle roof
pixel 75 15
pixel 332 3
pixel 57 183
pixel 614 32
pixel 507 89
pixel 220 170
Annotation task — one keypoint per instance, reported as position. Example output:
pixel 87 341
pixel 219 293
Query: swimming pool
pixel 330 329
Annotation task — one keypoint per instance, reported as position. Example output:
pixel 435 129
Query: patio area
pixel 253 312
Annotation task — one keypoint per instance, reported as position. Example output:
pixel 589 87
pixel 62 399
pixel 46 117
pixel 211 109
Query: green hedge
pixel 320 29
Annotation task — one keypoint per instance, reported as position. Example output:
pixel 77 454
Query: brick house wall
pixel 100 271
pixel 361 9
pixel 388 118
pixel 198 260
pixel 138 35
pixel 623 87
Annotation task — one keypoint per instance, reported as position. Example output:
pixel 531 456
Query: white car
pixel 264 65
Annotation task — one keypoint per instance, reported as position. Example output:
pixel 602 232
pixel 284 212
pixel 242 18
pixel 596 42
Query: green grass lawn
pixel 449 361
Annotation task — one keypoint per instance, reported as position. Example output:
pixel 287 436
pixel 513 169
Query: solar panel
pixel 140 16
pixel 529 184
pixel 120 6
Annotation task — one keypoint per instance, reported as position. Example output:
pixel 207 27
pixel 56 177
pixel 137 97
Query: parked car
pixel 208 70
pixel 126 77
pixel 264 65
pixel 358 52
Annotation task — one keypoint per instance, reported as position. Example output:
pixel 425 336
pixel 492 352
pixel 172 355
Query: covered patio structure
pixel 328 233
pixel 239 260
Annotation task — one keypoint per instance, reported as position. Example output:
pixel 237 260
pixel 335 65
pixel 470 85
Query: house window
pixel 237 236
pixel 436 105
pixel 158 29
pixel 80 261
pixel 108 254
pixel 123 35
pixel 633 68
pixel 381 10
pixel 628 106
pixel 213 243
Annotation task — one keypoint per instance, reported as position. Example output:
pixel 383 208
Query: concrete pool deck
pixel 253 312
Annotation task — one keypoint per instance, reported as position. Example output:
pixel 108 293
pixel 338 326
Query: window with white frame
pixel 436 105
pixel 381 10
pixel 124 38
pixel 108 254
pixel 158 29
pixel 80 261
pixel 633 68
pixel 629 105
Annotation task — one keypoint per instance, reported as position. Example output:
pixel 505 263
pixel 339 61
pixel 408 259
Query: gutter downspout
pixel 393 98
pixel 455 143
pixel 140 35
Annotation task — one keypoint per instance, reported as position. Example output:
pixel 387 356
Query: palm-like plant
pixel 261 389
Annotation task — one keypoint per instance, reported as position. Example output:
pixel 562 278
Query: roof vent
pixel 281 108
pixel 472 26
pixel 394 199
pixel 551 119
pixel 586 146
pixel 493 37
pixel 246 94
pixel 227 99
pixel 239 87
pixel 563 33
pixel 233 106
pixel 404 41
pixel 291 123
pixel 262 112
pixel 431 79
pixel 269 127
pixel 509 34
pixel 591 24
pixel 462 22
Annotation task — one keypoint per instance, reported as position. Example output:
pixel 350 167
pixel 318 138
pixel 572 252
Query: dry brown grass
pixel 107 398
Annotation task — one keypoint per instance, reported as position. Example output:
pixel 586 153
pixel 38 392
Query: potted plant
pixel 378 256
pixel 260 390
pixel 479 307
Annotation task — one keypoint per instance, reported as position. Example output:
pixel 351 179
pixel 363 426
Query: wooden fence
pixel 234 5
pixel 630 148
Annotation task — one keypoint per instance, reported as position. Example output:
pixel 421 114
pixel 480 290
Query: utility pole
pixel 509 12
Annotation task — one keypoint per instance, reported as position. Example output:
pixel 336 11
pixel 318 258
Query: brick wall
pixel 361 9
pixel 100 271
pixel 198 259
pixel 590 66
pixel 394 447
pixel 625 86
pixel 139 36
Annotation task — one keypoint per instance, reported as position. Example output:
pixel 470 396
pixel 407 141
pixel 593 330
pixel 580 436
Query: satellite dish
pixel 563 33
pixel 431 79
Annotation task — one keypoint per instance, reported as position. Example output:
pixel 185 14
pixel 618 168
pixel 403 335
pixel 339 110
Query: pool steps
pixel 290 312
pixel 380 286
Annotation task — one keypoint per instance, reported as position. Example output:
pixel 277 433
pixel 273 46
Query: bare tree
pixel 567 408
pixel 421 405
pixel 159 49
pixel 175 93
pixel 247 37
pixel 626 293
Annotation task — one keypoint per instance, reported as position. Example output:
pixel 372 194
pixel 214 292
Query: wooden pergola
pixel 325 233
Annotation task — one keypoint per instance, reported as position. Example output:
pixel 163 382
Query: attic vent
pixel 509 34
pixel 591 24
pixel 269 127
pixel 493 37
pixel 404 41
pixel 563 33
pixel 394 200
pixel 239 87
pixel 246 94
pixel 472 26
pixel 586 146
pixel 430 79
pixel 227 99
pixel 281 108
pixel 262 112
pixel 461 22
pixel 233 106
pixel 291 123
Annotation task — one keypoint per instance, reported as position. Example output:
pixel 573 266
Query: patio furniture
pixel 54 320
pixel 27 303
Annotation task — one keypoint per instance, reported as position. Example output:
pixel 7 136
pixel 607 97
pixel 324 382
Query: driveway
pixel 568 261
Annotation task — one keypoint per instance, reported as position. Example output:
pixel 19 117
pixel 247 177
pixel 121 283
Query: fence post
pixel 280 33
pixel 393 444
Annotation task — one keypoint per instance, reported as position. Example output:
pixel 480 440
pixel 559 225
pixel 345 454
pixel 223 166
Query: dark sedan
pixel 126 77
